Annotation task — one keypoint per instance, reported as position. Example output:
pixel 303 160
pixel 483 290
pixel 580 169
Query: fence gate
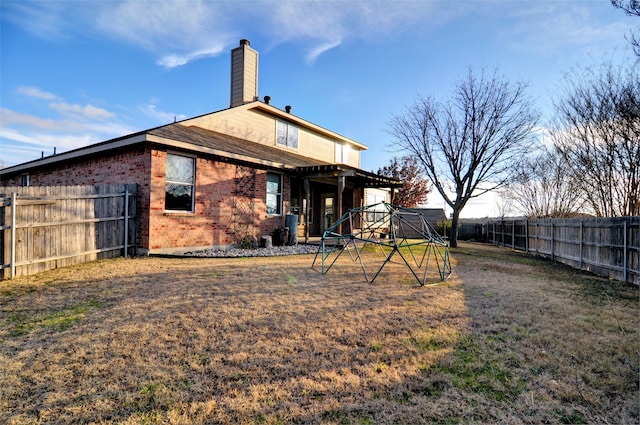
pixel 43 228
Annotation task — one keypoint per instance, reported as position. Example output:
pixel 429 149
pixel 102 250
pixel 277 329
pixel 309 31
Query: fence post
pixel 513 234
pixel 12 262
pixel 553 242
pixel 526 235
pixel 537 242
pixel 581 241
pixel 126 220
pixel 624 252
pixel 495 242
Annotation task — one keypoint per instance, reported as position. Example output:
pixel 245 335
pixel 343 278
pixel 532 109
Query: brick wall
pixel 126 166
pixel 209 225
pixel 213 223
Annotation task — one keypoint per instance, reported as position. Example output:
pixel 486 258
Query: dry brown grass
pixel 507 339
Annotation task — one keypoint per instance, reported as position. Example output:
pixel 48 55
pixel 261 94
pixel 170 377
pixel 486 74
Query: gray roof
pixel 432 215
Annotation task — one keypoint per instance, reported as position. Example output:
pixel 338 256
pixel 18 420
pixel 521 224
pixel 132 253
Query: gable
pixel 225 146
pixel 258 123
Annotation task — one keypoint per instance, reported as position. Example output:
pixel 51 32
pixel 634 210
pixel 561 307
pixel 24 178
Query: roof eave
pixel 176 144
pixel 76 153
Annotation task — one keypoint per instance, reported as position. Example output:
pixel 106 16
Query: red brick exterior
pixel 126 166
pixel 218 216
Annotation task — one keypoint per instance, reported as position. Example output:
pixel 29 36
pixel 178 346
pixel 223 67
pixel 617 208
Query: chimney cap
pixel 288 109
pixel 245 42
pixel 267 99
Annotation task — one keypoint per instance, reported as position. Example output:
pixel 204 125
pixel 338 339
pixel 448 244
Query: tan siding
pixel 261 128
pixel 316 146
pixel 240 123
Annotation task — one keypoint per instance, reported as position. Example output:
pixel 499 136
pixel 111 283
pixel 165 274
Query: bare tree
pixel 598 133
pixel 415 187
pixel 504 202
pixel 468 145
pixel 631 8
pixel 545 187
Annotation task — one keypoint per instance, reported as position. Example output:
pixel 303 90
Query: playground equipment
pixel 389 230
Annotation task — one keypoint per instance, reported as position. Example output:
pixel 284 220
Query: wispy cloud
pixel 9 118
pixel 174 59
pixel 151 110
pixel 179 32
pixel 44 19
pixel 36 93
pixel 318 50
pixel 82 112
pixel 552 27
pixel 72 126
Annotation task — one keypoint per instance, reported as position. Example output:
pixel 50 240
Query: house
pixel 436 217
pixel 223 178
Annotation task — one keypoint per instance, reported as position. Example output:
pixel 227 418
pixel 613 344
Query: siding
pixel 259 127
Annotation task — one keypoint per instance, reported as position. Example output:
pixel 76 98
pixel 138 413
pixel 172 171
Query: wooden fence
pixel 608 247
pixel 48 227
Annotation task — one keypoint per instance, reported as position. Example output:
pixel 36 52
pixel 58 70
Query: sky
pixel 74 73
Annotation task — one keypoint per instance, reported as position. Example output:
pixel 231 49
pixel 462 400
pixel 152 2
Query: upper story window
pixel 342 153
pixel 287 135
pixel 274 194
pixel 25 180
pixel 179 183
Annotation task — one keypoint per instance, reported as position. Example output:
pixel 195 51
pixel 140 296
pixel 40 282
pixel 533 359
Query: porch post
pixel 307 200
pixel 341 185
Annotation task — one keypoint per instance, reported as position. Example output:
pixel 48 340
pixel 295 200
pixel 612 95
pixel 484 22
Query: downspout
pixel 341 186
pixel 307 201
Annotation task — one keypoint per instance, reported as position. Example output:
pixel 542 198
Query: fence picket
pixel 48 227
pixel 605 246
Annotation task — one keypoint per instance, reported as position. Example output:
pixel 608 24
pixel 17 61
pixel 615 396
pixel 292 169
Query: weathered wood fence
pixel 608 247
pixel 43 228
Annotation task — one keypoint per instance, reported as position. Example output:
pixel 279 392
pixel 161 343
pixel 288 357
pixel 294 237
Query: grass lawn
pixel 507 339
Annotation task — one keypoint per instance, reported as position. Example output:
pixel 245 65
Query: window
pixel 376 212
pixel 179 185
pixel 342 153
pixel 274 194
pixel 25 180
pixel 287 135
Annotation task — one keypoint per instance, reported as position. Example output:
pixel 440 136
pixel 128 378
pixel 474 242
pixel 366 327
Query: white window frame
pixel 192 184
pixel 277 194
pixel 287 134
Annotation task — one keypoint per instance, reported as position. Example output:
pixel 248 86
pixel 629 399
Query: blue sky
pixel 77 72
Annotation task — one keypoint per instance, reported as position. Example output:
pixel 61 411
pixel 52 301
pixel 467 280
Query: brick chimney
pixel 244 74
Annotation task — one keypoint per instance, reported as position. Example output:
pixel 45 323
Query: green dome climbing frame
pixel 373 235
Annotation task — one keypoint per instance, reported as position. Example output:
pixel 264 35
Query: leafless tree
pixel 545 187
pixel 468 144
pixel 598 134
pixel 631 8
pixel 504 202
pixel 415 187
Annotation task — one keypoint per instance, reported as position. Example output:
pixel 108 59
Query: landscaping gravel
pixel 257 252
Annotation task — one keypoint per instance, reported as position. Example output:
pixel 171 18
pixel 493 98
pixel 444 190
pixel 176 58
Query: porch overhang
pixel 359 177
